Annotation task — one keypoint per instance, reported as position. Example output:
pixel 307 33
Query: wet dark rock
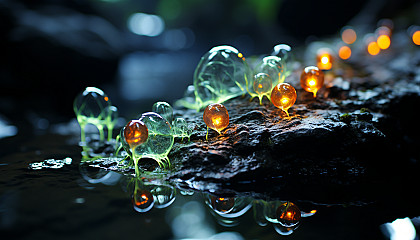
pixel 331 145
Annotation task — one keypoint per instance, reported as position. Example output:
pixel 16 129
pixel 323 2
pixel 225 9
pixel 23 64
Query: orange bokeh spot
pixel 324 60
pixel 373 48
pixel 416 37
pixel 344 52
pixel 349 36
pixel 383 41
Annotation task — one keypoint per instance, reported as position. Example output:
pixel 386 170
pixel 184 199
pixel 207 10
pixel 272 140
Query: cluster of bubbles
pixel 150 136
pixel 223 73
pixel 285 216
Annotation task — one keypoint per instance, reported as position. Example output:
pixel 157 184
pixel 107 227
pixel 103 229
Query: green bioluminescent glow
pixel 158 144
pixel 221 74
pixel 268 73
pixel 93 106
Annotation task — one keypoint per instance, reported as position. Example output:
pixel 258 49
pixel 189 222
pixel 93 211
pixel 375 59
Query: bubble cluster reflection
pixel 197 215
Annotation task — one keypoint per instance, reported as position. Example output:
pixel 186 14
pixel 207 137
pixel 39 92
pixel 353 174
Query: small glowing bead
pixel 216 117
pixel 312 79
pixel 324 59
pixel 135 133
pixel 222 205
pixel 288 214
pixel 262 83
pixel 283 96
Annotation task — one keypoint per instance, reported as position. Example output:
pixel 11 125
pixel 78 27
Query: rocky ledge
pixel 361 130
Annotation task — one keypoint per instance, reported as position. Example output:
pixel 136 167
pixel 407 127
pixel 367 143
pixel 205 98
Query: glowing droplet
pixel 283 96
pixel 344 52
pixel 373 48
pixel 348 35
pixel 142 200
pixel 383 41
pixel 312 79
pixel 288 214
pixel 324 59
pixel 216 117
pixel 135 133
pixel 222 205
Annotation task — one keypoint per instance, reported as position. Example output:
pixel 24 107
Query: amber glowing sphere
pixel 222 205
pixel 344 52
pixel 312 79
pixel 135 133
pixel 283 96
pixel 416 37
pixel 288 214
pixel 324 59
pixel 216 117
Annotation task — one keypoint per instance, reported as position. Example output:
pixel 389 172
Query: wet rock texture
pixel 359 130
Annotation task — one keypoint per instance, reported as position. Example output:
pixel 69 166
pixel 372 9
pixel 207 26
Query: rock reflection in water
pixel 189 219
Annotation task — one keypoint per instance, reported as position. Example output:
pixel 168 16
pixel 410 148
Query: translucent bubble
pixel 92 107
pixel 262 84
pixel 273 66
pixel 221 74
pixel 180 128
pixel 284 52
pixel 165 110
pixel 163 195
pixel 159 141
pixel 222 205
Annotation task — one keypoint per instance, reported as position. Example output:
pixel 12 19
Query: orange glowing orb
pixel 344 52
pixel 216 117
pixel 288 214
pixel 373 48
pixel 283 96
pixel 135 133
pixel 349 36
pixel 142 200
pixel 416 37
pixel 222 205
pixel 383 41
pixel 312 79
pixel 324 59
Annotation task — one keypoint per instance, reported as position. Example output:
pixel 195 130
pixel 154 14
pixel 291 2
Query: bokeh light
pixel 373 48
pixel 146 24
pixel 348 35
pixel 344 52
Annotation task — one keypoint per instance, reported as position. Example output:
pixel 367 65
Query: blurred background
pixel 141 51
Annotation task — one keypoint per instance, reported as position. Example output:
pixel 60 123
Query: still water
pixel 68 200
